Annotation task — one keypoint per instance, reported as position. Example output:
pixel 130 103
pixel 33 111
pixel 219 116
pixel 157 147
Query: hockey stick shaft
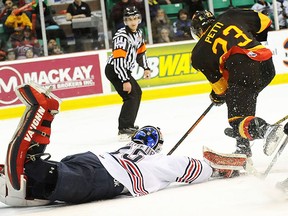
pixel 281 120
pixel 191 129
pixel 280 150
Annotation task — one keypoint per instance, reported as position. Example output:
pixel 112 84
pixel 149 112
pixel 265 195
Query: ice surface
pixel 95 129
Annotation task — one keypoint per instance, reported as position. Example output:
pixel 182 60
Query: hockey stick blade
pixel 275 158
pixel 250 169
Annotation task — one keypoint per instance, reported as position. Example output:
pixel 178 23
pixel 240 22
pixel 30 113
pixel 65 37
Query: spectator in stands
pixel 52 28
pixel 153 7
pixel 161 2
pixel 164 2
pixel 5 12
pixel 267 9
pixel 30 39
pixel 48 19
pixel 161 20
pixel 30 53
pixel 56 50
pixel 117 13
pixel 165 35
pixel 282 8
pixel 182 26
pixel 25 41
pixel 2 55
pixel 263 7
pixel 11 54
pixel 50 45
pixel 78 10
pixel 2 6
pixel 21 51
pixel 193 6
pixel 17 21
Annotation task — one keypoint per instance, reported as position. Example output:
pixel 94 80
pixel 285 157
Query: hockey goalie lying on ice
pixel 29 178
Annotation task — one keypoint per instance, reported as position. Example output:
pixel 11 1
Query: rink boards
pixel 79 79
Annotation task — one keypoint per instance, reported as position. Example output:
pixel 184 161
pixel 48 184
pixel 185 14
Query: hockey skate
pixel 28 142
pixel 242 145
pixel 124 135
pixel 271 135
pixel 224 165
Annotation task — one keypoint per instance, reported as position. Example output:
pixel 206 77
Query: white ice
pixel 95 129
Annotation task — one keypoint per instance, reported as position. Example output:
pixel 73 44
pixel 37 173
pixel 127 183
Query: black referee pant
pixel 131 101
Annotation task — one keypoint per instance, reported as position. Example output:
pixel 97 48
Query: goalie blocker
pixel 29 141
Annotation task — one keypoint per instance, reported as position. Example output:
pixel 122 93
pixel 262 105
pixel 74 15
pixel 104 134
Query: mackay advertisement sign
pixel 69 77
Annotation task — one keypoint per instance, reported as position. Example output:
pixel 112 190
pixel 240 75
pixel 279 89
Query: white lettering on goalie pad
pixel 35 123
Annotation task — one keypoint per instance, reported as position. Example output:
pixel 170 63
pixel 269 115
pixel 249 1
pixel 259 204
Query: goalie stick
pixel 191 128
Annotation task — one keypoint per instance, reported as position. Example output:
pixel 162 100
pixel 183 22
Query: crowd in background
pixel 21 30
pixel 266 8
pixel 21 35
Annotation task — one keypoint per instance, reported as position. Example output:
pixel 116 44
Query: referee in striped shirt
pixel 128 47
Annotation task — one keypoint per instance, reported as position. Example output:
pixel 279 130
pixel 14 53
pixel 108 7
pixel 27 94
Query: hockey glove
pixel 216 99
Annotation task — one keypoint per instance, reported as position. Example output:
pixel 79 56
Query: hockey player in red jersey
pixel 238 69
pixel 138 168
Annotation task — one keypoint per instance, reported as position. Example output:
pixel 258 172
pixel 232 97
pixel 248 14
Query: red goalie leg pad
pixel 34 127
pixel 40 128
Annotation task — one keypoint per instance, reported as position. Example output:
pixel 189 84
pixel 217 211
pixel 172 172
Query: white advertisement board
pixel 278 43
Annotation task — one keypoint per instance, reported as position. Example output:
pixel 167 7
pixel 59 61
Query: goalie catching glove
pixel 216 99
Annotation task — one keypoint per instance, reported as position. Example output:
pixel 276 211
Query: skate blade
pixel 124 137
pixel 273 139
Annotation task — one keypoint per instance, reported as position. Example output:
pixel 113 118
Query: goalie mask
pixel 201 20
pixel 131 12
pixel 149 136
